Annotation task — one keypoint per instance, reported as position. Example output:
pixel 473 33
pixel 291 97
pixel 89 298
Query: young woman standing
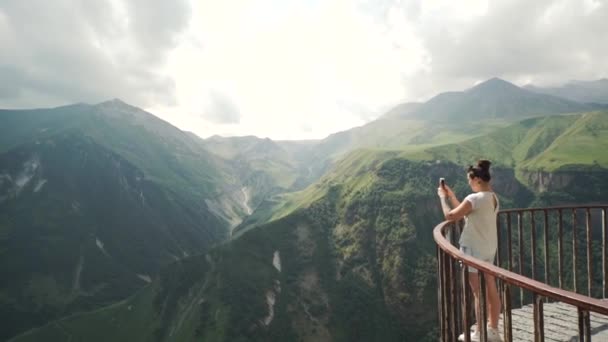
pixel 478 238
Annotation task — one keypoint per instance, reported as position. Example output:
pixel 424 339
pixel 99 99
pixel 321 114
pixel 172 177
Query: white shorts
pixel 471 252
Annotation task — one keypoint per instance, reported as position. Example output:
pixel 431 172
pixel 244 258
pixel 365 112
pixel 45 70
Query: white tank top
pixel 479 231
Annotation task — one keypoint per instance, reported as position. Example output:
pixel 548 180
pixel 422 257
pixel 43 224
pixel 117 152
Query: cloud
pixel 545 42
pixel 88 51
pixel 288 69
pixel 289 65
pixel 522 38
pixel 221 110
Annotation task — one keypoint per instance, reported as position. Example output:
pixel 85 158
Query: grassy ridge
pixel 545 143
pixel 583 143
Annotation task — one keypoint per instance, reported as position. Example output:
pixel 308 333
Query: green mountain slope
pixel 356 262
pixel 164 153
pixel 94 200
pixel 81 227
pixel 545 143
pixel 584 143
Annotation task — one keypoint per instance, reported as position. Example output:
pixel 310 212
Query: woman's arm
pixel 454 201
pixel 448 198
pixel 462 210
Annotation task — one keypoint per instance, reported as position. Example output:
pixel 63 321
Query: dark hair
pixel 482 170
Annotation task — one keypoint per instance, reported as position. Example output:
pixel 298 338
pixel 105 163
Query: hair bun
pixel 484 164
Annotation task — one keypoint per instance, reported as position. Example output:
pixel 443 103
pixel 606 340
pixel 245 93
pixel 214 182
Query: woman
pixel 478 238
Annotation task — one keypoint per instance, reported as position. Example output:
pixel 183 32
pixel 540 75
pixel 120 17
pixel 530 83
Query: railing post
pixel 539 325
pixel 589 266
pixel 587 322
pixel 604 263
pixel 465 304
pixel 521 255
pixel 498 241
pixel 453 302
pixel 560 249
pixel 546 242
pixel 450 293
pixel 483 312
pixel 499 245
pixel 456 282
pixel 574 253
pixel 533 247
pixel 440 291
pixel 509 242
pixel 446 299
pixel 506 304
pixel 584 326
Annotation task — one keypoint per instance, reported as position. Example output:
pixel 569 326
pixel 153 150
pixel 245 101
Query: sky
pixel 287 69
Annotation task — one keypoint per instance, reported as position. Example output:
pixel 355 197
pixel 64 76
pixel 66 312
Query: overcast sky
pixel 287 69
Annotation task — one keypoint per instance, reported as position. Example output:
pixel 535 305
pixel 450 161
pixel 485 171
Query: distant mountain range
pixel 446 118
pixel 581 91
pixel 495 99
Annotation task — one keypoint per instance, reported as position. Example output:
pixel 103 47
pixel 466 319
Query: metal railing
pixel 525 265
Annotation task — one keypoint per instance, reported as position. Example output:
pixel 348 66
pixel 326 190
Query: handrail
pixel 562 207
pixel 588 303
pixel 453 296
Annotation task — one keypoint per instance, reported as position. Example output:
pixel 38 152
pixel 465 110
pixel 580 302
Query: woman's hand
pixel 447 199
pixel 445 192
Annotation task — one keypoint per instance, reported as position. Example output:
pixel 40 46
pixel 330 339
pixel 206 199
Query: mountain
pixel 140 137
pixel 401 110
pixel 580 91
pixel 164 153
pixel 446 118
pixel 94 200
pixel 495 99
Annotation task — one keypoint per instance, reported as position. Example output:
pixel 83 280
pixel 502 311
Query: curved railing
pixel 549 271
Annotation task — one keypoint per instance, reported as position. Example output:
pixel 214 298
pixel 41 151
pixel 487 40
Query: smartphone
pixel 442 182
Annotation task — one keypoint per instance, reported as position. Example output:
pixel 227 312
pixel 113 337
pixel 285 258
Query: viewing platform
pixel 551 268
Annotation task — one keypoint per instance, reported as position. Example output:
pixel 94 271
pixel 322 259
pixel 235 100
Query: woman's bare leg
pixel 474 282
pixel 493 301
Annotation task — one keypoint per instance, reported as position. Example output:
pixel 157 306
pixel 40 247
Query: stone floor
pixel 561 324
